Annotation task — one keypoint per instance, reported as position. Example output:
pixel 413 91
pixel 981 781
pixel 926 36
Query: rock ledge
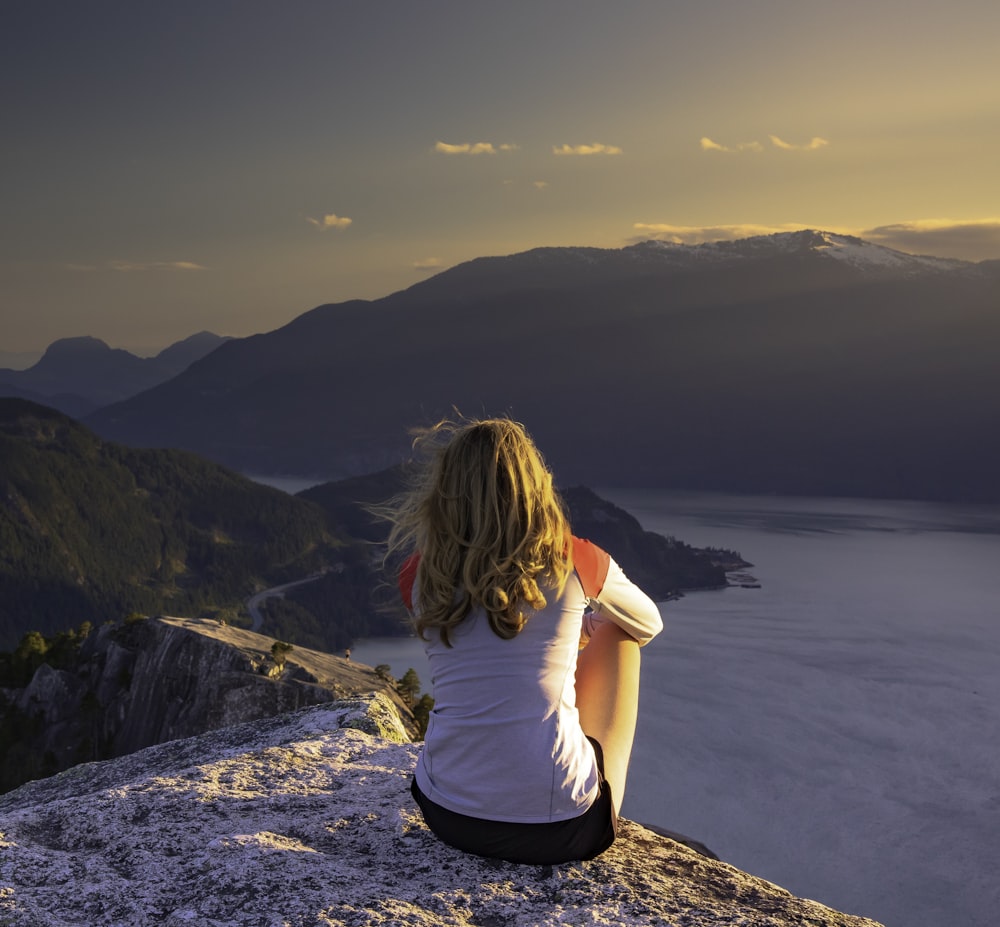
pixel 306 819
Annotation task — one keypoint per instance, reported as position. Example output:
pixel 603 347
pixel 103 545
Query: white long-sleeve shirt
pixel 504 740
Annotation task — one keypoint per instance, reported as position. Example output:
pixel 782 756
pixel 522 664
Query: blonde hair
pixel 488 525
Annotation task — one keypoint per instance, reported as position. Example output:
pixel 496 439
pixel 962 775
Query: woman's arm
pixel 624 603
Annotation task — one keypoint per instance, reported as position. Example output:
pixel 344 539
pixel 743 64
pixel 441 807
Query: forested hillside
pixel 91 530
pixel 662 566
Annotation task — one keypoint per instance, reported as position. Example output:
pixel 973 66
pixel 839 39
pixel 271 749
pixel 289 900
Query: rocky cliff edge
pixel 165 678
pixel 306 819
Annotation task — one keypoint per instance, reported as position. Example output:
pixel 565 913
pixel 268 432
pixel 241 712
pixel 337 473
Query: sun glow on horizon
pixel 239 203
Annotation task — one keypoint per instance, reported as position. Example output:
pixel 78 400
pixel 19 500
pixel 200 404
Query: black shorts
pixel 582 837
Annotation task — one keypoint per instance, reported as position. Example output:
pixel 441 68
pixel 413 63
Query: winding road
pixel 255 601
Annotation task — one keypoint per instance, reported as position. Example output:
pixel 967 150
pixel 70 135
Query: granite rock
pixel 164 678
pixel 305 819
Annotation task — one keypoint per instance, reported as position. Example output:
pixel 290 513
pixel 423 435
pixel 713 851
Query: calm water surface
pixel 835 731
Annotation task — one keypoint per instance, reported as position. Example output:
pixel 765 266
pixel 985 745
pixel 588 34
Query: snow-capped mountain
pixel 801 362
pixel 847 248
pixel 822 254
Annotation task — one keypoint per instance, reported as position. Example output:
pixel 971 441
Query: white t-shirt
pixel 504 740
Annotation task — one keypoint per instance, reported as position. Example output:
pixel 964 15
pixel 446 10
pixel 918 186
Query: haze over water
pixel 834 731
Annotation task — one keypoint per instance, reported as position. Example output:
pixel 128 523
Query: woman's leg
pixel 607 697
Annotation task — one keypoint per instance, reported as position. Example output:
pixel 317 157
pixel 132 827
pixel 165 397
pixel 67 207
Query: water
pixel 836 730
pixel 288 484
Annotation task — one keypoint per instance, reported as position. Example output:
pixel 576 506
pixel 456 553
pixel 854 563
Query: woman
pixel 527 748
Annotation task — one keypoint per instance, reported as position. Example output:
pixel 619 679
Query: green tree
pixel 280 650
pixel 409 686
pixel 32 647
pixel 422 713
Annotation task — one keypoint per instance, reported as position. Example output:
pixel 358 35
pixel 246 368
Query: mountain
pixel 79 375
pixel 802 362
pixel 91 530
pixel 71 403
pixel 182 354
pixel 552 268
pixel 17 360
pixel 663 566
pixel 306 819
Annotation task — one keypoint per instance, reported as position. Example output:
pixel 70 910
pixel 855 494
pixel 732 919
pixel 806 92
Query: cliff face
pixel 306 819
pixel 161 679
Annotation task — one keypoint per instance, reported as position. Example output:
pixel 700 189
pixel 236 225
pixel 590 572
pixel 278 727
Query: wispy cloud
pixel 328 222
pixel 697 234
pixel 430 263
pixel 708 145
pixel 537 184
pixel 968 239
pixel 120 266
pixel 597 148
pixel 813 144
pixel 473 148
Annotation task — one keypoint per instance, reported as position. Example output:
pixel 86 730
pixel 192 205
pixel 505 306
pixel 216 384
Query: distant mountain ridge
pixel 545 266
pixel 802 362
pixel 79 375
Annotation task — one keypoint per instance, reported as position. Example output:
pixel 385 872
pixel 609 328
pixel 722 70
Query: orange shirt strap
pixel 591 564
pixel 407 577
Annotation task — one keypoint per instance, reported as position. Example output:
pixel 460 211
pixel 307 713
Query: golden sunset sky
pixel 169 167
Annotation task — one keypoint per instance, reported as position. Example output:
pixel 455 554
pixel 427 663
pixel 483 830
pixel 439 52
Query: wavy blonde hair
pixel 488 525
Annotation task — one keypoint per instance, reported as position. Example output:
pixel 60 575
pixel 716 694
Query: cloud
pixel 708 145
pixel 473 148
pixel 967 239
pixel 330 221
pixel 133 266
pixel 812 145
pixel 595 149
pixel 431 263
pixel 698 234
pixel 537 184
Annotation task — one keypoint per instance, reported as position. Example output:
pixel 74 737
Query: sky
pixel 227 165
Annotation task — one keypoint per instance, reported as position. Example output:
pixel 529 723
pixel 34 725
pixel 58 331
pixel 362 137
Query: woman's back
pixel 504 740
pixel 526 751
